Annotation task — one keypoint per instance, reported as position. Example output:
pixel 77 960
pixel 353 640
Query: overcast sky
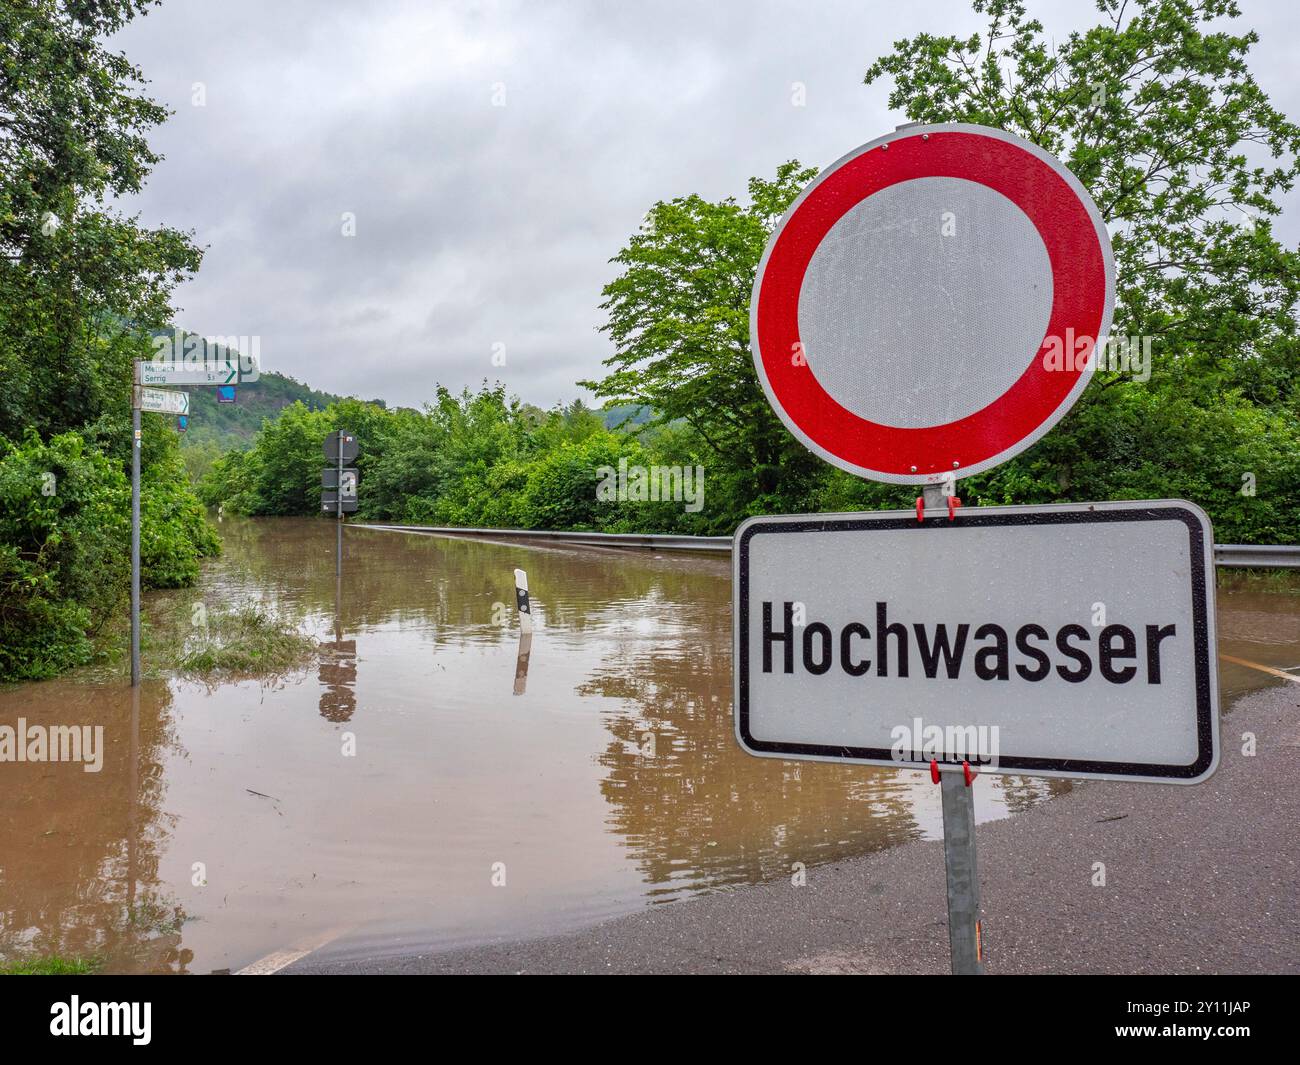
pixel 479 225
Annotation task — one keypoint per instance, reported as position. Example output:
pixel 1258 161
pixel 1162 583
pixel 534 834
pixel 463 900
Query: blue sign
pixel 182 422
pixel 225 393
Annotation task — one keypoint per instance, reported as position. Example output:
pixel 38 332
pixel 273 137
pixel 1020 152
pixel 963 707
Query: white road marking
pixel 1261 668
pixel 272 963
pixel 279 959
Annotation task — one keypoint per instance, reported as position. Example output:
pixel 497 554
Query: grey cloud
pixel 478 224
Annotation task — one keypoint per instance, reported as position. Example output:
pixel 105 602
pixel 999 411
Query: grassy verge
pixel 244 640
pixel 178 637
pixel 1280 581
pixel 53 965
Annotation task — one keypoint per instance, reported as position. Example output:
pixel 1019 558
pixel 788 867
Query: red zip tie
pixel 920 508
pixel 934 771
pixel 953 504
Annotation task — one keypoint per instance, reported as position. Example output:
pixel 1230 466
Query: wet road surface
pixel 1197 880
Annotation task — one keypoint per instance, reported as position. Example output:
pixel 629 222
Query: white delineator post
pixel 521 601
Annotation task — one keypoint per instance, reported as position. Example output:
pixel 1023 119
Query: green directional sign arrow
pixel 220 372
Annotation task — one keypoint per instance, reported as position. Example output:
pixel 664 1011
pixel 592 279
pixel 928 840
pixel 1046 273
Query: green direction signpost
pixel 229 370
pixel 225 372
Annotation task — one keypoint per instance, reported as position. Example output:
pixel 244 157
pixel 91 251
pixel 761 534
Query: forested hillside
pixel 215 428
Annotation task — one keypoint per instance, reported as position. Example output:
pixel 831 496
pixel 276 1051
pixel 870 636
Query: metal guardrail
pixel 653 541
pixel 1230 556
pixel 1257 556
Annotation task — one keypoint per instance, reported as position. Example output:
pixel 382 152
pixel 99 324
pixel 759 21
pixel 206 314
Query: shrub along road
pixel 1199 879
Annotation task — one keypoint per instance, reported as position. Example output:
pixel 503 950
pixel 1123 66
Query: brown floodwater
pixel 421 784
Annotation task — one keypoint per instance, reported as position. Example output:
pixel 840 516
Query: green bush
pixel 174 532
pixel 231 482
pixel 64 527
pixel 560 492
pixel 1238 461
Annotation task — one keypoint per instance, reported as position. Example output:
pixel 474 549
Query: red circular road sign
pixel 930 304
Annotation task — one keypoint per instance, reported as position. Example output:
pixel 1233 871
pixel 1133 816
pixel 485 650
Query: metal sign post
pixel 964 940
pixel 135 540
pixel 1067 641
pixel 339 485
pixel 965 946
pixel 161 401
pixel 338 525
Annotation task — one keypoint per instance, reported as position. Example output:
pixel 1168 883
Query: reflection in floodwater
pixel 374 793
pixel 521 660
pixel 338 677
pixel 338 668
pixel 79 851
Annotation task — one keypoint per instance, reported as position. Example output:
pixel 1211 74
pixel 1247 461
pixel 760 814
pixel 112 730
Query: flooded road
pixel 423 784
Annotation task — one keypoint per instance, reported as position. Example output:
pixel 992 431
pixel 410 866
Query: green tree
pixel 79 281
pixel 678 317
pixel 289 461
pixel 1156 112
pixel 231 481
pixel 81 286
pixel 174 532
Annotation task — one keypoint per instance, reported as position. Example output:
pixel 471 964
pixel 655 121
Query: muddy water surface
pixel 490 795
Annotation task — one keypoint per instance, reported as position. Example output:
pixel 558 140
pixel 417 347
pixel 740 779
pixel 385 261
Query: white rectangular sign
pixel 1071 641
pixel 163 402
pixel 220 372
pixel 228 369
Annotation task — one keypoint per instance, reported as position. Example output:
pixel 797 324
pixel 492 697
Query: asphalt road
pixel 1199 879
